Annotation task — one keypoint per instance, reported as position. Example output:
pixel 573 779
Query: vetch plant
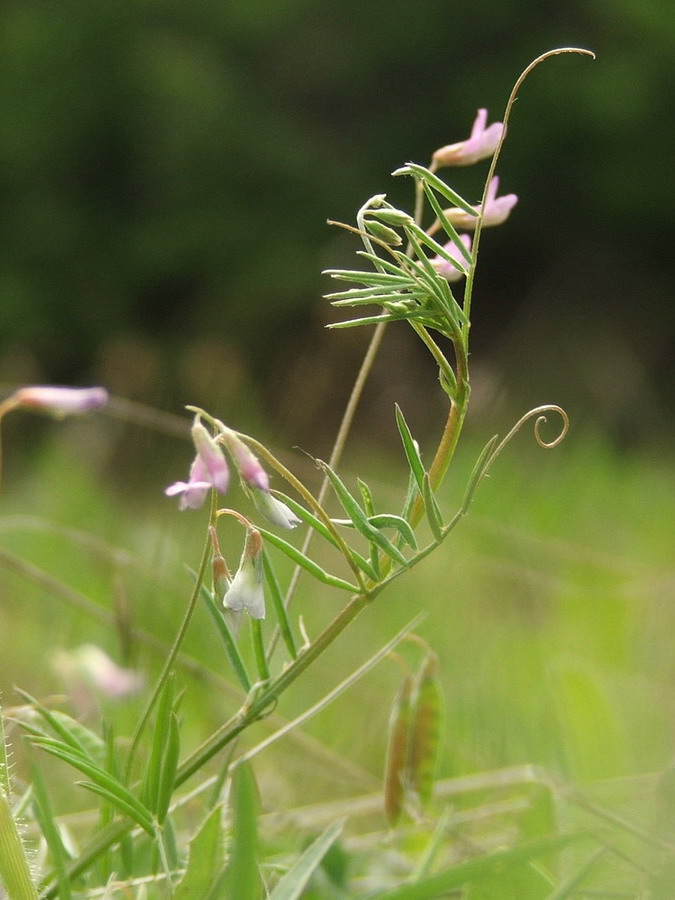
pixel 411 266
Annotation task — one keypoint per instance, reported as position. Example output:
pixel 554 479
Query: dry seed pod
pixel 425 732
pixel 397 752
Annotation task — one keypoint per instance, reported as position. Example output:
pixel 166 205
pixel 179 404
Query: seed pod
pixel 383 233
pixel 397 752
pixel 425 732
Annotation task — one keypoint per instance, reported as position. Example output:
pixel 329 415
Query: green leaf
pixel 437 184
pixel 478 868
pixel 359 518
pixel 291 886
pixel 411 449
pixel 235 657
pixel 259 650
pixel 169 767
pixel 122 805
pixel 242 878
pixel 61 725
pixel 153 769
pixel 274 593
pixel 371 278
pixel 480 468
pixel 306 563
pixel 206 860
pixel 447 225
pixel 388 520
pixel 15 872
pixel 431 508
pixel 367 496
pixel 107 786
pixel 49 827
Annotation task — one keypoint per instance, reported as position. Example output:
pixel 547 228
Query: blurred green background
pixel 168 168
pixel 167 171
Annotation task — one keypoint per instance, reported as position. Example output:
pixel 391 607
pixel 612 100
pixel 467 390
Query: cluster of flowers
pixel 210 470
pixel 481 144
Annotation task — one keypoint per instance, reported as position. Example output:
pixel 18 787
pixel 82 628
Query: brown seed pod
pixel 398 752
pixel 425 732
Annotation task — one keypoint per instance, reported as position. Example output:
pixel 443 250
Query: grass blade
pixel 476 869
pixel 242 878
pixel 169 767
pixel 291 886
pixel 50 830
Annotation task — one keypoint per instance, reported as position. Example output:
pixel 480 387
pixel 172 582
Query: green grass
pixel 550 607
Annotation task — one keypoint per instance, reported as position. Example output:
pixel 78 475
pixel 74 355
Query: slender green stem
pixel 175 647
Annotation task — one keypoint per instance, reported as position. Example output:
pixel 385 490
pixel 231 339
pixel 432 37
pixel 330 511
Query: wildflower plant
pixel 416 268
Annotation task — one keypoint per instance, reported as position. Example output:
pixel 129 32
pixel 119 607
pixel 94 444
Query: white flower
pixel 275 511
pixel 246 590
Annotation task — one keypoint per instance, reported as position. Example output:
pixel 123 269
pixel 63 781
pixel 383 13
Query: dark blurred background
pixel 167 170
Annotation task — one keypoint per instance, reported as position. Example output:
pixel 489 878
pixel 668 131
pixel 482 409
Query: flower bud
pixel 61 401
pixel 245 460
pixel 275 511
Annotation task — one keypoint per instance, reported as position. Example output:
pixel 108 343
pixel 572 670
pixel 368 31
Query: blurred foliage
pixel 167 169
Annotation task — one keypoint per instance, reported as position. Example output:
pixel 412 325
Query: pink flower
pixel 211 457
pixel 61 401
pixel 193 492
pixel 447 269
pixel 482 143
pixel 208 470
pixel 246 462
pixel 496 211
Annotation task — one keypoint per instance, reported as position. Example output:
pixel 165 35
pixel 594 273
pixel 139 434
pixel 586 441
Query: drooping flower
pixel 193 491
pixel 274 510
pixel 61 401
pixel 211 456
pixel 208 470
pixel 481 144
pixel 246 589
pixel 496 211
pixel 245 460
pixel 447 269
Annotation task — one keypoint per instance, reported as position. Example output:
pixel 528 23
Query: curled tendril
pixel 539 412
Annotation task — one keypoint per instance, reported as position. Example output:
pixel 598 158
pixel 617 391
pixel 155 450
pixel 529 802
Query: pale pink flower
pixel 211 456
pixel 208 470
pixel 447 269
pixel 496 211
pixel 61 401
pixel 245 460
pixel 482 143
pixel 192 492
pixel 90 668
